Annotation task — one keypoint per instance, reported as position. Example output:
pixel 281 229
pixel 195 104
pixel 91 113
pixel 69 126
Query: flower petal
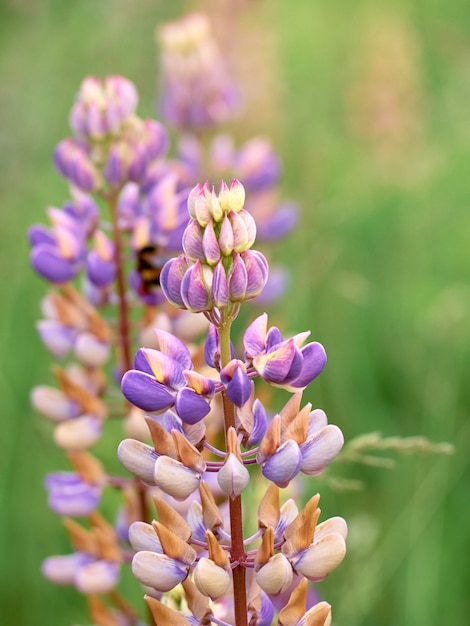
pixel 174 478
pixel 145 392
pixel 314 360
pixel 254 339
pixel 320 449
pixel 284 464
pixel 158 570
pixel 190 406
pixel 321 557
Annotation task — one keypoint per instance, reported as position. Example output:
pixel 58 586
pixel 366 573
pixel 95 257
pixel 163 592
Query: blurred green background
pixel 369 111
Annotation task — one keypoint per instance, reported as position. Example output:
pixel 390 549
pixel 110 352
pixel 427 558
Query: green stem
pixel 237 550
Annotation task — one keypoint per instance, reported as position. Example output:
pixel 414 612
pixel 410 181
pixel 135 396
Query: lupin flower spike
pixel 201 433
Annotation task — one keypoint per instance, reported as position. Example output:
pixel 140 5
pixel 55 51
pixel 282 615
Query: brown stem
pixel 237 550
pixel 124 342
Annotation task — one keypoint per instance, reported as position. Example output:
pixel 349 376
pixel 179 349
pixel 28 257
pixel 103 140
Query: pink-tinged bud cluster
pixel 102 106
pixel 111 145
pixel 196 89
pixel 258 167
pixel 218 270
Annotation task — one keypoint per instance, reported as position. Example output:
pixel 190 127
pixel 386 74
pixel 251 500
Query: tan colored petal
pixel 87 467
pixel 299 534
pixel 188 454
pixel 171 519
pixel 198 603
pixel 298 427
pixel 290 409
pixel 210 511
pixel 106 539
pixel 319 615
pixel 271 440
pixel 163 615
pixel 269 510
pixel 295 608
pixel 163 442
pixel 100 613
pixel 266 549
pixel 216 552
pixel 82 539
pixel 173 546
pixel 87 400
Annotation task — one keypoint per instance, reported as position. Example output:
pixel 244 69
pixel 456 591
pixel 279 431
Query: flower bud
pixel 62 570
pixel 97 577
pixel 232 199
pixel 210 245
pixel 233 477
pixel 171 279
pixel 284 464
pixel 238 279
pixel 81 432
pixel 194 290
pixel 174 478
pixel 57 338
pixel 142 536
pixel 211 579
pixel 226 239
pixel 70 495
pixel 138 458
pixel 219 289
pixel 193 241
pixel 276 575
pixel 74 164
pixel 91 351
pixel 53 403
pixel 257 272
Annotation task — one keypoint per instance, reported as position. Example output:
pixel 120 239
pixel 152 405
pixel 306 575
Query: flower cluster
pixel 199 549
pixel 218 270
pixel 179 259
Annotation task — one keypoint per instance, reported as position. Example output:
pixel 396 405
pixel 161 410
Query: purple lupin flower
pixel 57 254
pixel 284 363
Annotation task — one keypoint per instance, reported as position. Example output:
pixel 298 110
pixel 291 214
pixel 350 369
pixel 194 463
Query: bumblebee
pixel 150 262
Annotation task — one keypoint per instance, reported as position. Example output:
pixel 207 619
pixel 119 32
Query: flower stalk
pixel 124 341
pixel 237 550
